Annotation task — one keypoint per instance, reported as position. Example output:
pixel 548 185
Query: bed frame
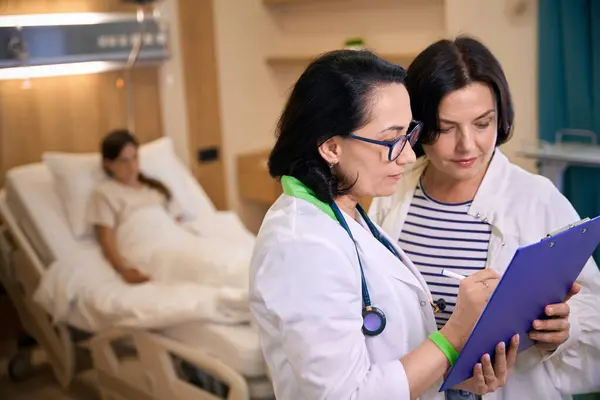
pixel 152 361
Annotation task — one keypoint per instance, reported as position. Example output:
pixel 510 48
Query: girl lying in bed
pixel 115 199
pixel 138 225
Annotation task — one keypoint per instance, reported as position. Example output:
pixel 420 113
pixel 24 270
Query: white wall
pixel 512 37
pixel 248 95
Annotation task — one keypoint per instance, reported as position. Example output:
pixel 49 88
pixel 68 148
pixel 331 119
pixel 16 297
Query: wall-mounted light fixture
pixel 49 45
pixel 62 19
pixel 34 46
pixel 43 71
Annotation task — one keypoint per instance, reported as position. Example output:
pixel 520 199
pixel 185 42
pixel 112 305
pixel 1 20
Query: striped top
pixel 438 235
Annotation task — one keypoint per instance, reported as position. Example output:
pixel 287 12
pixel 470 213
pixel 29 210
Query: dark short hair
pixel 449 65
pixel 331 98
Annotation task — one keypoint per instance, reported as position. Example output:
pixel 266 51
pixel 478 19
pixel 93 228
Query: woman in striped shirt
pixel 464 207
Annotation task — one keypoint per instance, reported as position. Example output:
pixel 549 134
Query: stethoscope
pixel 374 320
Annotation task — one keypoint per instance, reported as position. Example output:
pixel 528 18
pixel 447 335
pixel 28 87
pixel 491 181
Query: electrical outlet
pixel 140 2
pixel 208 154
pixel 17 49
pixel 161 38
pixel 123 40
pixel 148 39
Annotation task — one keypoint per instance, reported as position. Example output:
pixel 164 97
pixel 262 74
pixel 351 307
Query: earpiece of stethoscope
pixel 373 321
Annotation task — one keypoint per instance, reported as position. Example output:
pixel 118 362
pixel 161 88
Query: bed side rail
pixel 21 273
pixel 159 378
pixel 14 235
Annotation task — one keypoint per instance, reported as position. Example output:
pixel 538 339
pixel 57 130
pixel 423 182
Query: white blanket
pixel 199 276
pixel 152 241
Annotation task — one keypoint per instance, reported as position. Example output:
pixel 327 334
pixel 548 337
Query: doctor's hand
pixel 473 294
pixel 133 275
pixel 488 378
pixel 554 331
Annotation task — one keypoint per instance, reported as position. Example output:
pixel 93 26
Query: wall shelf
pixel 278 2
pixel 294 2
pixel 303 60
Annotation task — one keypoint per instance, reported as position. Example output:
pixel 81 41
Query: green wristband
pixel 445 346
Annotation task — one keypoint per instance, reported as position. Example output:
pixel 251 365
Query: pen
pixel 451 274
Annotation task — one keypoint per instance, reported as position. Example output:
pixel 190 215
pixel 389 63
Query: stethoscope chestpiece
pixel 373 321
pixel 373 317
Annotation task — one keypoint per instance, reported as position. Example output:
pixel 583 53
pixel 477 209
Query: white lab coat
pixel 522 209
pixel 306 299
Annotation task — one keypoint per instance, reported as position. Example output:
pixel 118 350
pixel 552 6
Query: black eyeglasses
pixel 396 146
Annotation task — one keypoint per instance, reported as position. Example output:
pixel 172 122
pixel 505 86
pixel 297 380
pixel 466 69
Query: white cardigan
pixel 522 208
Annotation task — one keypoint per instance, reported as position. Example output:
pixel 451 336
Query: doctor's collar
pixel 295 188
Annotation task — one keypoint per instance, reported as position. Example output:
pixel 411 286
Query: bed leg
pixel 26 341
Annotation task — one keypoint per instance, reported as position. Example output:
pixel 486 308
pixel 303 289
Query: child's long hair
pixel 113 144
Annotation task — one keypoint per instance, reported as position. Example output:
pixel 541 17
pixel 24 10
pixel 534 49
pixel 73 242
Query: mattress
pixel 238 346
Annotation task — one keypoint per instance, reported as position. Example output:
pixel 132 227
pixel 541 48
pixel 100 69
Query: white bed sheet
pixel 33 200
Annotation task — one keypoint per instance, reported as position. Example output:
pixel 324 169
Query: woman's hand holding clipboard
pixel 487 376
pixel 516 305
pixel 552 332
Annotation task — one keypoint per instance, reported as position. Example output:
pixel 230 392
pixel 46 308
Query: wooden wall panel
pixel 72 113
pixel 202 94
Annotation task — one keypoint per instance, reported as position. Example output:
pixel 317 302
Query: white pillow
pixel 76 176
pixel 158 160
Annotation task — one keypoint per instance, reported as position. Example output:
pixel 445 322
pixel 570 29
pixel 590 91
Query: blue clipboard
pixel 538 275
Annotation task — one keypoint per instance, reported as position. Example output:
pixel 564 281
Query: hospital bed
pixel 129 363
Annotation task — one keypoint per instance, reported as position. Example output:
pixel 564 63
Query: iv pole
pixel 133 55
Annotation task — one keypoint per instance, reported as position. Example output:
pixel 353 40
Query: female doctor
pixel 467 199
pixel 342 313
